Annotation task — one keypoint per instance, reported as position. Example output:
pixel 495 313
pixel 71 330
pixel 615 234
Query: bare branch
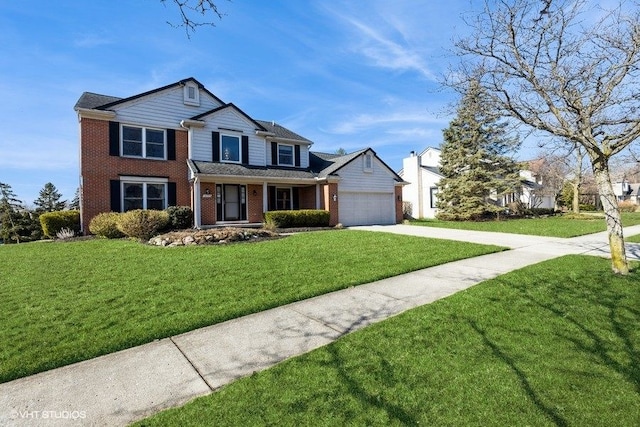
pixel 189 8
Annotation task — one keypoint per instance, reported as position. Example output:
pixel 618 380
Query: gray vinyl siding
pixel 353 177
pixel 229 122
pixel 162 109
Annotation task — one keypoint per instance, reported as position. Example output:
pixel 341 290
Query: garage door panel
pixel 359 208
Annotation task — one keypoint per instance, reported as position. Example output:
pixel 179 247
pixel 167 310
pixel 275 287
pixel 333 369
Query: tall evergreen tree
pixel 475 165
pixel 10 214
pixel 49 199
pixel 74 204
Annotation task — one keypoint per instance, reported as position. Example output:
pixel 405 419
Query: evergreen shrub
pixel 53 222
pixel 299 218
pixel 180 217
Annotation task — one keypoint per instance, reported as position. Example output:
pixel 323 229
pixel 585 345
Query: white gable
pixel 355 176
pixel 163 109
pixel 227 121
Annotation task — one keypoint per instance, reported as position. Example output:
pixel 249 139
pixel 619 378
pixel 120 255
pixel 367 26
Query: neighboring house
pixel 625 191
pixel 422 172
pixel 182 145
pixel 532 194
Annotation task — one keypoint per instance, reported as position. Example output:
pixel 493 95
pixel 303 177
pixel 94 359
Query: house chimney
pixel 412 153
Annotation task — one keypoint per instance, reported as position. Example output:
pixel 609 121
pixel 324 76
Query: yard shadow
pixel 594 339
pixel 551 413
pixel 340 364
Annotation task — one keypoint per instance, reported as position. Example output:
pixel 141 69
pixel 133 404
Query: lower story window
pixel 144 195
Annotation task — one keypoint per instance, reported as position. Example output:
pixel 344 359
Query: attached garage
pixel 361 208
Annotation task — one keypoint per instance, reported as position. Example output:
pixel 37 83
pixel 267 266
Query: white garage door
pixel 366 208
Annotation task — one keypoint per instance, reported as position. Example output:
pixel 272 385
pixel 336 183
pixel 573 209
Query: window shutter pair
pixel 215 148
pixel 116 197
pixel 114 141
pixel 274 154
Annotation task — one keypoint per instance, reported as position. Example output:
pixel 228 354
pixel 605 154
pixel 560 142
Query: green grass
pixel 557 343
pixel 553 226
pixel 66 302
pixel 633 239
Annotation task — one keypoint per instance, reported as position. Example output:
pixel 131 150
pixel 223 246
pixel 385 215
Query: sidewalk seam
pixel 192 365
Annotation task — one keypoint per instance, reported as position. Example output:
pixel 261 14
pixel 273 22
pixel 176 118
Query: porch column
pixel 197 222
pixel 265 197
pixel 318 196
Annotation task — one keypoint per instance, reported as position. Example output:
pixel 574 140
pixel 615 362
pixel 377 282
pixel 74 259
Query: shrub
pixel 300 218
pixel 106 225
pixel 587 207
pixel 180 217
pixel 627 206
pixel 53 222
pixel 142 224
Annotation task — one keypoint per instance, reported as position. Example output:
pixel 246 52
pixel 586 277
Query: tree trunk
pixel 575 203
pixel 609 201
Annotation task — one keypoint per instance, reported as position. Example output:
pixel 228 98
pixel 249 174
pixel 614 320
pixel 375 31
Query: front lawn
pixel 556 343
pixel 633 239
pixel 66 302
pixel 553 226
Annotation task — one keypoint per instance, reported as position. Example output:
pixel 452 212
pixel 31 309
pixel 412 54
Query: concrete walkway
pixel 122 387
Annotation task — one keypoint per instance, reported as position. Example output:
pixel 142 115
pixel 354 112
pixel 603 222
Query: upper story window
pixel 230 149
pixel 143 142
pixel 285 155
pixel 368 162
pixel 191 95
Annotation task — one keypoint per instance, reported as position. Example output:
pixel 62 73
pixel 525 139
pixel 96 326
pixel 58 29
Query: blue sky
pixel 344 74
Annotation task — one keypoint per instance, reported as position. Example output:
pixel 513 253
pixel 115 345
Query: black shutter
pixel 171 144
pixel 215 146
pixel 297 154
pixel 172 199
pixel 114 138
pixel 274 153
pixel 245 149
pixel 272 198
pixel 295 198
pixel 116 205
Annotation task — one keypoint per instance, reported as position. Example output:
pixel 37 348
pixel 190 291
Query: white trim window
pixel 368 162
pixel 143 142
pixel 230 148
pixel 285 155
pixel 150 193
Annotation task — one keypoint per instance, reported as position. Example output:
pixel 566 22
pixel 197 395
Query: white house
pixel 625 191
pixel 422 172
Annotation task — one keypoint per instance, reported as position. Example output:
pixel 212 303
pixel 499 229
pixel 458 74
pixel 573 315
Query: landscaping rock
pixel 212 236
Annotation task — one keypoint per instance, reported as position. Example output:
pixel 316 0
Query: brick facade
pixel 398 198
pixel 98 168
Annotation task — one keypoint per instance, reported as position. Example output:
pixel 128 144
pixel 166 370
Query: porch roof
pixel 244 171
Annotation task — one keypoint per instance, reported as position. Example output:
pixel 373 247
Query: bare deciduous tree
pixel 568 68
pixel 189 8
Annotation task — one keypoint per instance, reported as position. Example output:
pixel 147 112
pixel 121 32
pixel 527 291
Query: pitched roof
pixel 281 132
pixel 327 164
pixel 90 100
pixel 432 169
